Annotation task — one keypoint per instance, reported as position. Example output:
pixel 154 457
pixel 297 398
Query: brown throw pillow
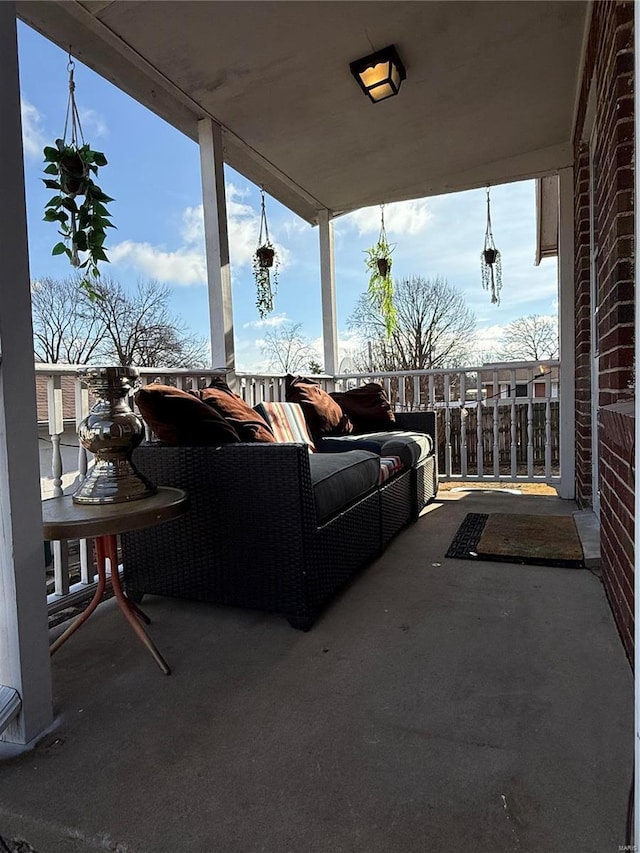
pixel 249 425
pixel 180 418
pixel 322 414
pixel 367 407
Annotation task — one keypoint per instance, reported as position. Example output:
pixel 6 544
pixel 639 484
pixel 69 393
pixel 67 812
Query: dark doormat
pixel 539 540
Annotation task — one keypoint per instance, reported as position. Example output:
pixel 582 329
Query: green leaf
pixel 55 201
pixel 100 209
pixel 51 185
pixel 70 204
pixel 52 169
pixel 51 154
pixel 80 241
pixel 60 144
pixel 98 195
pixel 99 159
pixel 50 215
pixel 59 249
pixel 98 255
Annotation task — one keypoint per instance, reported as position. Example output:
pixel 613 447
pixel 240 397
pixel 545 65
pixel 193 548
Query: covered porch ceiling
pixel 489 96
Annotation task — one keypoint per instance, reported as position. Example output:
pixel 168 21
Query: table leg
pixel 129 609
pixel 95 601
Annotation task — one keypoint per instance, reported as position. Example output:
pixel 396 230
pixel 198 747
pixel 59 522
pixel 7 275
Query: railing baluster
pixel 514 438
pixel 81 410
pixel 531 390
pixel 402 395
pixel 417 396
pixel 447 426
pixel 479 425
pixel 547 426
pixel 463 424
pixel 496 426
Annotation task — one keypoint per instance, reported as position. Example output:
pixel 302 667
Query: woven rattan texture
pixel 250 537
pixel 397 506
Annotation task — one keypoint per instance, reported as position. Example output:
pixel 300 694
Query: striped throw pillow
pixel 389 465
pixel 287 422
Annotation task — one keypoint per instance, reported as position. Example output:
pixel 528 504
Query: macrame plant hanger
pixel 491 261
pixel 265 266
pixel 76 141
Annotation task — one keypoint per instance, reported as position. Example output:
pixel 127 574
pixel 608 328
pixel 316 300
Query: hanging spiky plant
pixel 378 262
pixel 491 261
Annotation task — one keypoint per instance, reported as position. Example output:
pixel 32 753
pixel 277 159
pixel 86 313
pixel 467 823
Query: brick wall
pixel 609 63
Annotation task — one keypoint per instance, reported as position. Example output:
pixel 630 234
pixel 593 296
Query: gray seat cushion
pixel 411 447
pixel 338 479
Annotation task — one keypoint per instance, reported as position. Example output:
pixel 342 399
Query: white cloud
pixel 267 322
pixel 186 265
pixel 183 266
pixel 400 217
pixel 33 137
pixel 93 124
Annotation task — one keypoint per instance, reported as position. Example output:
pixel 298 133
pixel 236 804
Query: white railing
pixel 494 423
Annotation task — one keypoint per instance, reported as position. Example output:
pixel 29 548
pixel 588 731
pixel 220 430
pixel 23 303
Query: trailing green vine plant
pixel 266 264
pixel 378 264
pixel 73 165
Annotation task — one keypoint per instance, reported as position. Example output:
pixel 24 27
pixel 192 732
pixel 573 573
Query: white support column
pixel 24 637
pixel 216 241
pixel 328 285
pixel 567 312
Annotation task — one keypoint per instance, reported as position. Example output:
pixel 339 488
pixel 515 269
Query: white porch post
pixel 24 636
pixel 566 288
pixel 328 285
pixel 216 241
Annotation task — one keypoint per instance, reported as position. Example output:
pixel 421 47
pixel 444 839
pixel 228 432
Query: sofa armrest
pixel 417 422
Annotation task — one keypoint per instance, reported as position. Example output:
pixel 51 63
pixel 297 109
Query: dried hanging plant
pixel 265 262
pixel 491 261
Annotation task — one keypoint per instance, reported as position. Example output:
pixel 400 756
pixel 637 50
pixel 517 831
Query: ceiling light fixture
pixel 380 74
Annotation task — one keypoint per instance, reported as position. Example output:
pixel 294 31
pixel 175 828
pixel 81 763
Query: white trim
pixel 216 242
pixel 328 285
pixel 566 296
pixel 24 637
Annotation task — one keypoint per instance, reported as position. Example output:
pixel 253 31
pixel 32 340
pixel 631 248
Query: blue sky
pixel 154 177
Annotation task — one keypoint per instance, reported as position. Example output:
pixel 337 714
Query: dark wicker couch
pixel 252 538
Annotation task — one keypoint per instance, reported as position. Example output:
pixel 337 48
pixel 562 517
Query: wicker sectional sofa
pixel 273 526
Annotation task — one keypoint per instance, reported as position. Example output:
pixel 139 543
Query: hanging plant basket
pixel 384 265
pixel 490 256
pixel 71 168
pixel 378 264
pixel 265 255
pixel 265 267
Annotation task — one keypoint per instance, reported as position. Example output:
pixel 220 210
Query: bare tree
pixel 66 327
pixel 531 338
pixel 435 328
pixel 117 327
pixel 289 351
pixel 140 329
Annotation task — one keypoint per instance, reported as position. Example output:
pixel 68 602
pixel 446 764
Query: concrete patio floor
pixel 437 705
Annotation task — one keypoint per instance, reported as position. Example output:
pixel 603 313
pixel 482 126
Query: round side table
pixel 62 519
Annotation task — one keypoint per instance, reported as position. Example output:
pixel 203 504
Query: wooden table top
pixel 62 519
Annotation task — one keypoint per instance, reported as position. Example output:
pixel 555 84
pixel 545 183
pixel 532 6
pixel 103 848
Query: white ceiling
pixel 489 95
